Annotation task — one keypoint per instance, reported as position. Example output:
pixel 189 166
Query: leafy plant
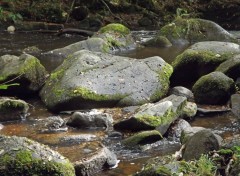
pixel 9 16
pixel 5 86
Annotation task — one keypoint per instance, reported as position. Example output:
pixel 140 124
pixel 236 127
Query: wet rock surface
pixel 235 103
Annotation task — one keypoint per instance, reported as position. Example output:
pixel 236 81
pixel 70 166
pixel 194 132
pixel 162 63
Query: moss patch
pixel 115 27
pixel 23 163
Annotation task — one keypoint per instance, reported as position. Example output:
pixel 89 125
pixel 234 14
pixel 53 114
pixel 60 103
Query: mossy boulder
pixel 230 67
pixel 157 116
pixel 117 36
pixel 195 30
pixel 200 59
pixel 141 138
pixel 22 156
pixel 12 109
pixel 25 70
pixel 109 39
pixel 91 79
pixel 213 88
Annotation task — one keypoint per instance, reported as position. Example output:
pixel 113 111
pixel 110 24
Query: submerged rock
pixel 91 79
pixel 200 59
pixel 25 70
pixel 142 138
pixel 195 30
pixel 53 124
pixel 214 88
pixel 22 156
pixel 157 116
pixel 12 109
pixel 92 119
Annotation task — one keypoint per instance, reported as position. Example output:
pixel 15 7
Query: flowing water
pixel 131 161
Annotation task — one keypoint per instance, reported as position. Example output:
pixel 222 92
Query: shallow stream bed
pixel 130 160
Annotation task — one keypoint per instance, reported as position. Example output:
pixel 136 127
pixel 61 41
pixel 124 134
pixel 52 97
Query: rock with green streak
pixel 142 138
pixel 157 116
pixel 200 59
pixel 25 70
pixel 91 79
pixel 12 109
pixel 109 39
pixel 195 30
pixel 230 67
pixel 22 156
pixel 213 88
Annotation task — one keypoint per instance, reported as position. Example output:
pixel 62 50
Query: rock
pixel 195 30
pixel 238 83
pixel 80 13
pixel 189 110
pixel 145 21
pixel 214 88
pixel 109 39
pixel 12 109
pixel 104 158
pixel 200 143
pixel 182 91
pixel 22 156
pixel 157 116
pixel 175 130
pixel 94 23
pixel 36 25
pixel 159 41
pixel 115 135
pixel 76 139
pixel 92 119
pixel 117 36
pixel 188 132
pixel 230 67
pixel 1 126
pixel 11 29
pixel 142 138
pixel 200 59
pixel 90 80
pixel 235 104
pixel 53 124
pixel 25 70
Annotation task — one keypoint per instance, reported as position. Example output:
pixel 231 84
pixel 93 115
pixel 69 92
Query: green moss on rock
pixel 115 27
pixel 23 163
pixel 141 138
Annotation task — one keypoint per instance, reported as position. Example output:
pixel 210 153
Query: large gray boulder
pixel 213 88
pixel 157 116
pixel 195 30
pixel 200 59
pixel 22 156
pixel 91 79
pixel 12 109
pixel 25 70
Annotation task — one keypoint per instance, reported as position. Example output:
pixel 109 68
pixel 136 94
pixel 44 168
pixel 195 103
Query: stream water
pixel 130 160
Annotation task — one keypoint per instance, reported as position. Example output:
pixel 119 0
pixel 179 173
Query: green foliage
pixel 5 86
pixel 9 16
pixel 203 166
